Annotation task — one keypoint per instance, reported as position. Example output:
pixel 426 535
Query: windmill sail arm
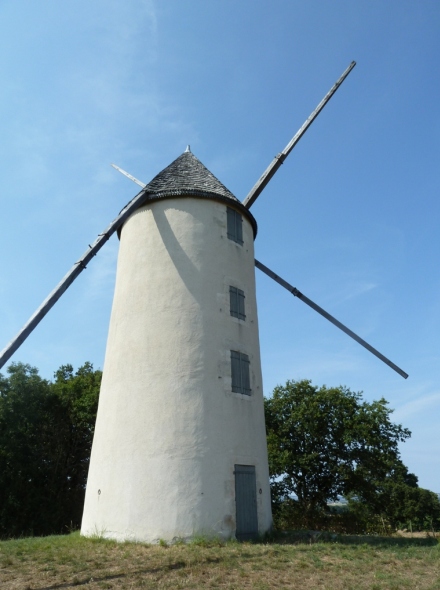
pixel 68 279
pixel 329 317
pixel 279 159
pixel 135 180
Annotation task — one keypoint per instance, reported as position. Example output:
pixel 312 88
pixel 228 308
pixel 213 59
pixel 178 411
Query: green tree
pixel 46 431
pixel 25 410
pixel 401 506
pixel 326 442
pixel 413 508
pixel 77 395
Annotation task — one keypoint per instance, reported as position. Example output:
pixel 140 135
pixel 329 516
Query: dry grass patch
pixel 65 562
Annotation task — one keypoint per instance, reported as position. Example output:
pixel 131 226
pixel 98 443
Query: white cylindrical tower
pixel 180 444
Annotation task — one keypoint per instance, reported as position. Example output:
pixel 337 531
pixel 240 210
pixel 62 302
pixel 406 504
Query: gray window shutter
pixel 234 225
pixel 231 223
pixel 240 373
pixel 245 374
pixel 236 372
pixel 240 298
pixel 234 302
pixel 239 227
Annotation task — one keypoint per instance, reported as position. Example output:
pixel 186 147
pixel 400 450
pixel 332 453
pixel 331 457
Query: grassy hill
pixel 296 560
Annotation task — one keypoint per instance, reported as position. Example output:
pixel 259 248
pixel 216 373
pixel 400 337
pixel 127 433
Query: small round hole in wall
pixel 99 492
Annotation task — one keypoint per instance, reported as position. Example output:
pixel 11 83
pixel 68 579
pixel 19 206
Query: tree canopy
pixel 326 442
pixel 46 431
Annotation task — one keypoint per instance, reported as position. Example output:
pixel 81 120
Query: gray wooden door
pixel 246 502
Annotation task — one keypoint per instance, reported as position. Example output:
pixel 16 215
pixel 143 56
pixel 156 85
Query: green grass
pixel 285 561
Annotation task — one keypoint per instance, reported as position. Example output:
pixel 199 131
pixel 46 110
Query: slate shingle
pixel 187 175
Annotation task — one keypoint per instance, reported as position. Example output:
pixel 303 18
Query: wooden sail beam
pixel 135 180
pixel 264 179
pixel 328 317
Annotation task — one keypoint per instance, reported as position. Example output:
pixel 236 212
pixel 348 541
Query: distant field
pixel 292 561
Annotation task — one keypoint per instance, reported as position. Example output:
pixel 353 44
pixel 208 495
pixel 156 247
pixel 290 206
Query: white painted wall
pixel 169 429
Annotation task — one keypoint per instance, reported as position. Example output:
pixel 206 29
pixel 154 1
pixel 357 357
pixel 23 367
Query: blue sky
pixel 351 219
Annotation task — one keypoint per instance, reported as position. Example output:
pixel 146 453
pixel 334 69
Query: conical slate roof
pixel 188 177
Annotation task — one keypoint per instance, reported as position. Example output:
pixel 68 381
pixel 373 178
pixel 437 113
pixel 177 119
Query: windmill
pixel 179 446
